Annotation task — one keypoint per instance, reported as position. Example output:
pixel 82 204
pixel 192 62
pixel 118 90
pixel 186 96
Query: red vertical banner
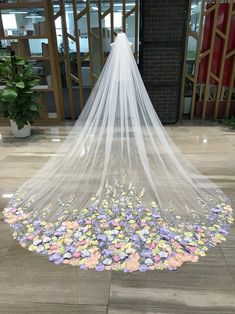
pixel 217 50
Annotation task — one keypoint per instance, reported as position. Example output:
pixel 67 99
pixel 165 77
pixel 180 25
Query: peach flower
pixel 132 265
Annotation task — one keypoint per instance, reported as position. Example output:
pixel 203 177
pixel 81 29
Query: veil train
pixel 118 194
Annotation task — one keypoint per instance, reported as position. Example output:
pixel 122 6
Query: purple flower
pixel 61 229
pixel 99 267
pixel 125 223
pixel 101 237
pixel 143 268
pixel 224 232
pixel 135 238
pixel 59 261
pixel 83 267
pixel 171 268
pixel 156 216
pixel 37 242
pixel 85 253
pixel 216 210
pixel 58 233
pixel 146 253
pixel 36 222
pixel 70 248
pixel 102 217
pixel 107 252
pixel 129 217
pixel 54 257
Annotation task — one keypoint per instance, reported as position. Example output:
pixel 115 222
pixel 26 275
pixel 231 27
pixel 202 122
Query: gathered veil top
pixel 118 194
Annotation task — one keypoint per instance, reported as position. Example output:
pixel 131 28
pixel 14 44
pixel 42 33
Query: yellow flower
pixel 161 243
pixel 61 250
pixel 32 248
pixel 200 242
pixel 188 234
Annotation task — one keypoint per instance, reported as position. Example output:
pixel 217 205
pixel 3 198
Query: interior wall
pixel 163 31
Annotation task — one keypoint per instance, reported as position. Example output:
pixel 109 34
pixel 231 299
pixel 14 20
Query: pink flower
pixel 117 245
pixel 54 246
pixel 116 258
pixel 175 263
pixel 30 237
pixel 152 245
pixel 48 225
pixel 193 258
pixel 192 249
pixel 157 258
pixel 81 243
pixel 66 261
pixel 77 254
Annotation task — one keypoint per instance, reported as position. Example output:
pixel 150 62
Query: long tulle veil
pixel 118 194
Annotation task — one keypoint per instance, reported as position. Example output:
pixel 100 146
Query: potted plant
pixel 17 99
pixel 230 123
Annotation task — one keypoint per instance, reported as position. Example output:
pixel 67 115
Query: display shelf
pixel 44 51
pixel 43 88
pixel 9 37
pixel 38 58
pixel 38 88
pixel 20 5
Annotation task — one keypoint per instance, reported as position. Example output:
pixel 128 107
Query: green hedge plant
pixel 18 102
pixel 230 123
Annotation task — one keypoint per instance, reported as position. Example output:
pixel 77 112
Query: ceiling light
pixel 34 17
pixel 18 12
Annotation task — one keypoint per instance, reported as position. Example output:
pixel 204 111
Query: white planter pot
pixel 24 132
pixel 187 104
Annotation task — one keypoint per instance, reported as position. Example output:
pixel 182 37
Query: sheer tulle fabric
pixel 118 194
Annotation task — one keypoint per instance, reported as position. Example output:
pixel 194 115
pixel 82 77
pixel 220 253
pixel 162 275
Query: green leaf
pixel 8 95
pixel 20 124
pixel 20 84
pixel 33 82
pixel 20 62
pixel 33 108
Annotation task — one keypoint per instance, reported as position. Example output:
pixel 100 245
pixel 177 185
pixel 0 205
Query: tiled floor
pixel 31 284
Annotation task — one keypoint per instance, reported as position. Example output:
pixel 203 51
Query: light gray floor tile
pixel 50 308
pixel 147 309
pixel 93 287
pixel 30 278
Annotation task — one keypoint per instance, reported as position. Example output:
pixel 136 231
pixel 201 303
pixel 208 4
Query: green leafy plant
pixel 230 123
pixel 18 101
